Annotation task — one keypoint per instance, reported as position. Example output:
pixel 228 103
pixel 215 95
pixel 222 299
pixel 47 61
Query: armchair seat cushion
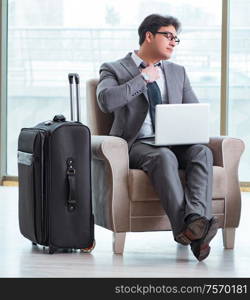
pixel 141 189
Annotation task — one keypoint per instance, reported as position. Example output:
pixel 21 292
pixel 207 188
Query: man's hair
pixel 153 22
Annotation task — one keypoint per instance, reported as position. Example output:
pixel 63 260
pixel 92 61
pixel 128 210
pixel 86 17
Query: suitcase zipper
pixel 46 176
pixel 44 184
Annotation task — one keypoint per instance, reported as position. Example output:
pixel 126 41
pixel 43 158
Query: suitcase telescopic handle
pixel 76 77
pixel 73 76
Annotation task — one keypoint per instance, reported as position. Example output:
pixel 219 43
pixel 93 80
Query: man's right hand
pixel 152 72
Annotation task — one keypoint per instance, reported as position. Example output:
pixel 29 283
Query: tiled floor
pixel 150 254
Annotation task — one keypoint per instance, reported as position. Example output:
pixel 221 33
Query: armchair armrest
pixel 223 147
pixel 226 153
pixel 110 169
pixel 104 145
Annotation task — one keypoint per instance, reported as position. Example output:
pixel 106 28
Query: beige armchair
pixel 124 199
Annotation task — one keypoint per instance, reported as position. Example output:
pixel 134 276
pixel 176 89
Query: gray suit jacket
pixel 122 91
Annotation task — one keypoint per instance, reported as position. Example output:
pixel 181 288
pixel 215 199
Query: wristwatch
pixel 145 76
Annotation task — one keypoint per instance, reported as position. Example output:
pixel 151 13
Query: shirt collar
pixel 138 60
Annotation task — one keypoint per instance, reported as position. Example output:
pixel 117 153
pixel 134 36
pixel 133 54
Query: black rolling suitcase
pixel 54 170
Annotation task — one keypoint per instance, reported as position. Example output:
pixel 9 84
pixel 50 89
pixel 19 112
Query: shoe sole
pixel 203 245
pixel 211 231
pixel 204 253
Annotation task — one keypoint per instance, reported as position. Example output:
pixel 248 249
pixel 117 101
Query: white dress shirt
pixel 146 129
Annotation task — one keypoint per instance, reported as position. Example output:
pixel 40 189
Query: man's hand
pixel 152 73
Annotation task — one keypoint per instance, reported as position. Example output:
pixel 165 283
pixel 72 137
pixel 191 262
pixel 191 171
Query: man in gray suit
pixel 130 88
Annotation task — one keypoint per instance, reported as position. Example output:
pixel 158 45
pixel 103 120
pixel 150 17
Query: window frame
pixel 3 88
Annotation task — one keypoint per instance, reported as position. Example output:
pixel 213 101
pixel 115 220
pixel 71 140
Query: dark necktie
pixel 154 97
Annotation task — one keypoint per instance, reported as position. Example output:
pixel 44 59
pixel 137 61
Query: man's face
pixel 161 46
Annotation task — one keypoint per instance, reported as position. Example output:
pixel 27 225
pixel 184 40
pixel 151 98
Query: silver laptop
pixel 181 124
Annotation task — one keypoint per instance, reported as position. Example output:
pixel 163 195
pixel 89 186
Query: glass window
pixel 239 79
pixel 50 38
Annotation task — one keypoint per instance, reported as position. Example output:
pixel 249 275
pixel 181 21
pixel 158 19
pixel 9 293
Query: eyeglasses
pixel 169 35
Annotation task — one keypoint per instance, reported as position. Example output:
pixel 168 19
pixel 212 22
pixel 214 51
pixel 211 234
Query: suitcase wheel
pixel 34 244
pixel 89 249
pixel 52 250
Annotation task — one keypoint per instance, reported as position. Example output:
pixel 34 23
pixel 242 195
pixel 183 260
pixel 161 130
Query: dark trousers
pixel 162 165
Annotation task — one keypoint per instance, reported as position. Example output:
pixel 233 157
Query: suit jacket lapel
pixel 168 81
pixel 128 63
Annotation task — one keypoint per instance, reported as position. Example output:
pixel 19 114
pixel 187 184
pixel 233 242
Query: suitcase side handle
pixel 71 177
pixel 71 77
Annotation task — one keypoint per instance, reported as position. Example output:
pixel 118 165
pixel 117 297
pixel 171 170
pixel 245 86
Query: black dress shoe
pixel 194 230
pixel 201 248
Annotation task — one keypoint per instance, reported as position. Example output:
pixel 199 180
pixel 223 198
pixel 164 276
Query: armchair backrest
pixel 98 121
